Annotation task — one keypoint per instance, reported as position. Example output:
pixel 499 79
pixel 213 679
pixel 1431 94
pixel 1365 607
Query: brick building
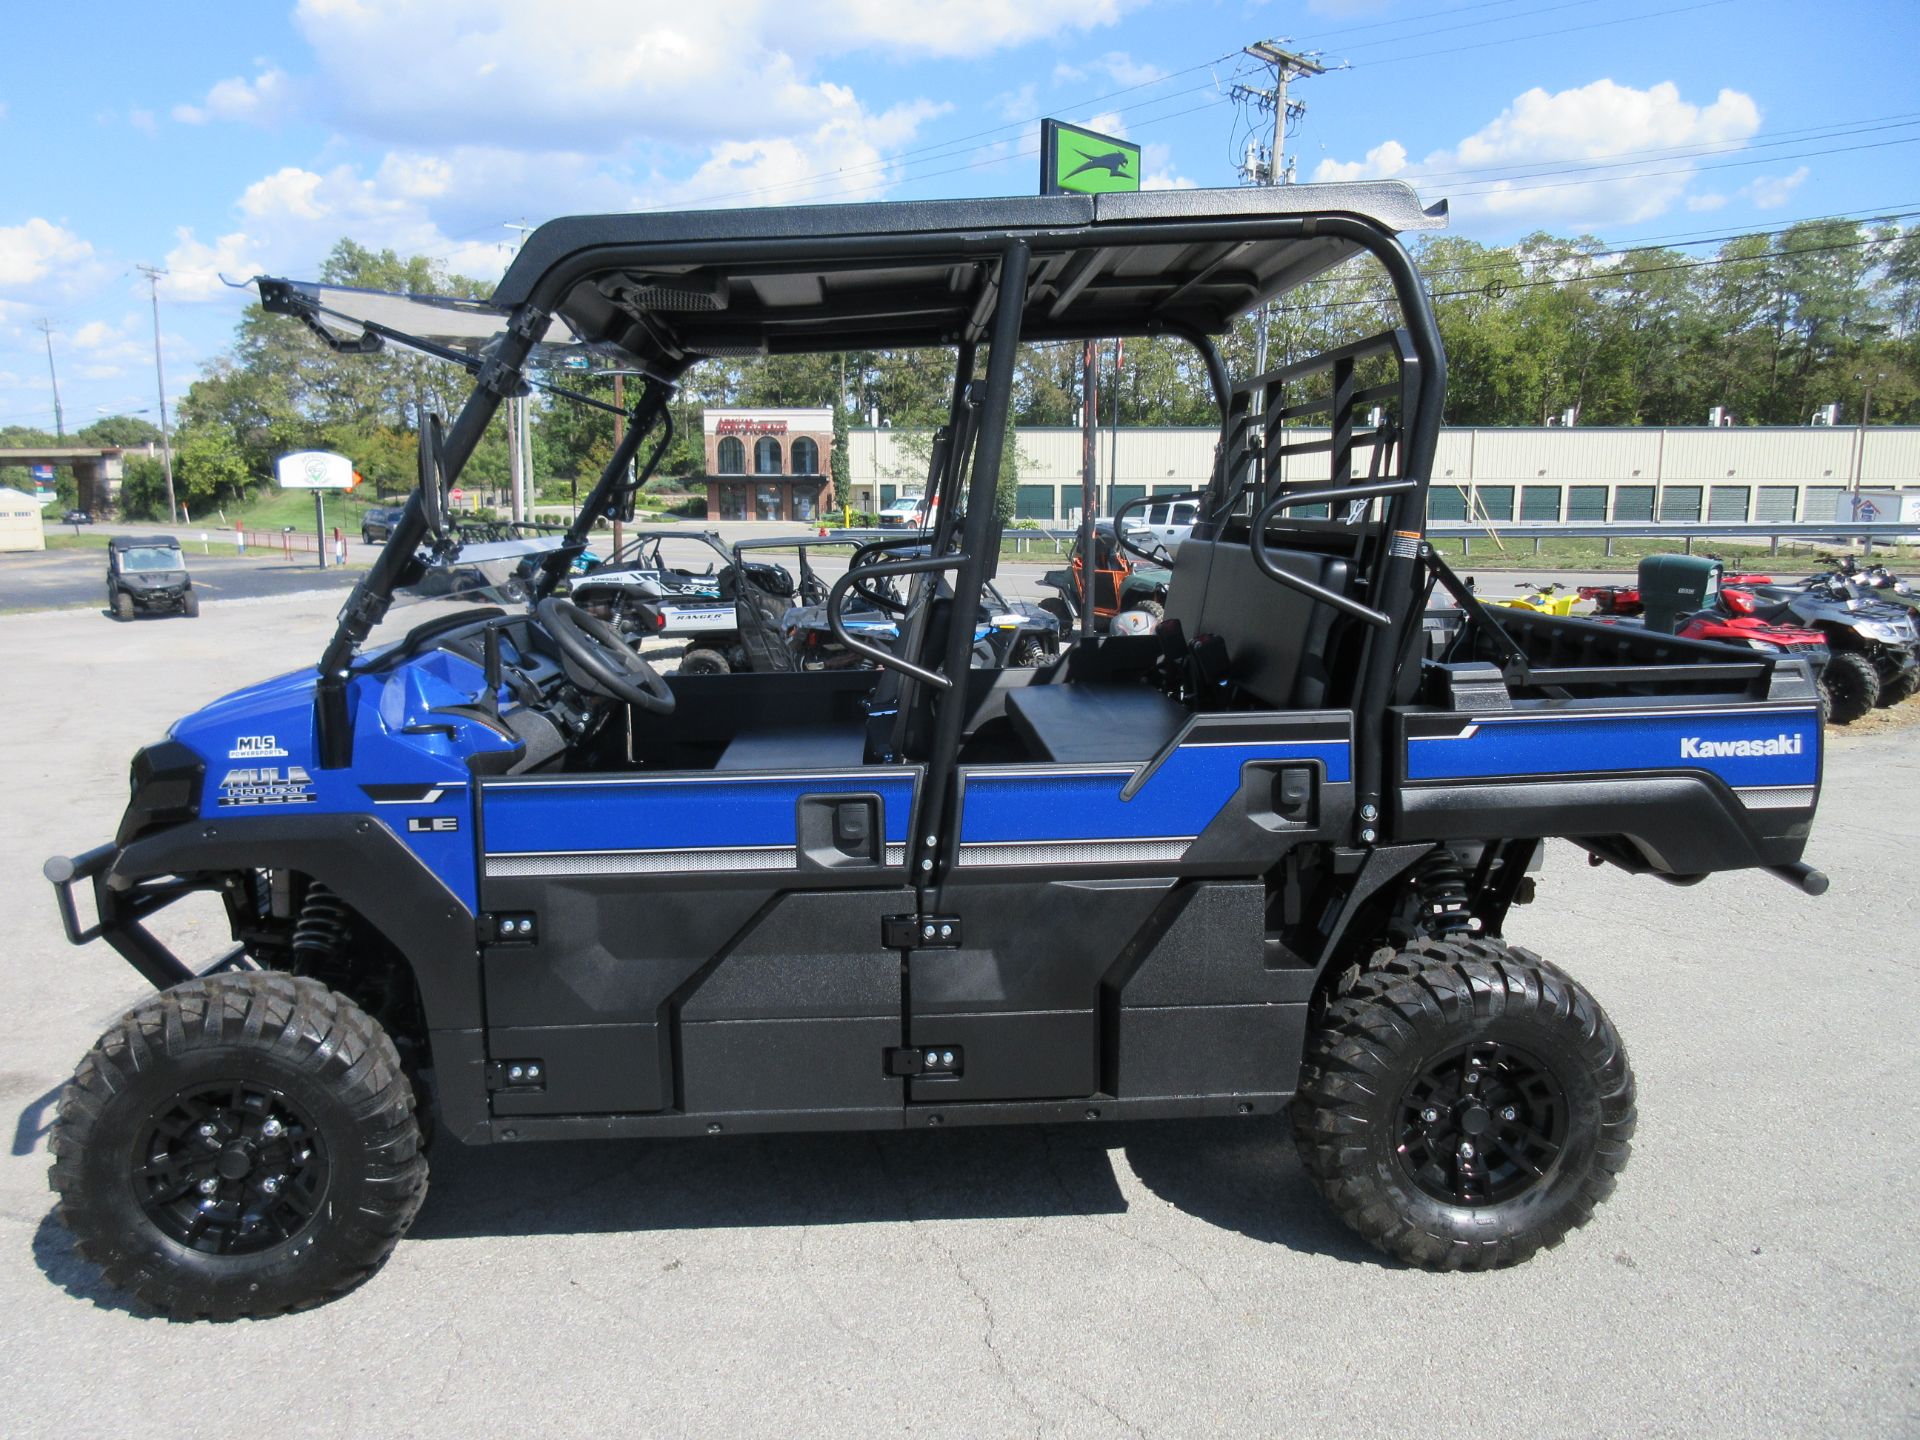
pixel 769 464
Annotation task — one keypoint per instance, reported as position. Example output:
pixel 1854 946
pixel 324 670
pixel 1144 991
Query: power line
pixel 1571 164
pixel 1544 34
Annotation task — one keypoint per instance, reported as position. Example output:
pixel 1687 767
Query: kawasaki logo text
pixel 1692 747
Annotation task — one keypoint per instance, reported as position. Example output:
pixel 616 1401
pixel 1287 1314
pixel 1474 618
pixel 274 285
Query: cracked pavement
pixel 1757 1273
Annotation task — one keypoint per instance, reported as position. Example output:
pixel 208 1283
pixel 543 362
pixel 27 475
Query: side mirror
pixel 433 477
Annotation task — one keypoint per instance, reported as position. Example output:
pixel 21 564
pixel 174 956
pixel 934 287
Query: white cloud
pixel 1021 104
pixel 1107 122
pixel 1542 132
pixel 1768 192
pixel 841 160
pixel 31 251
pixel 598 73
pixel 1116 65
pixel 194 268
pixel 1383 162
pixel 289 191
pixel 262 100
pixel 1706 201
pixel 143 121
pixel 1156 163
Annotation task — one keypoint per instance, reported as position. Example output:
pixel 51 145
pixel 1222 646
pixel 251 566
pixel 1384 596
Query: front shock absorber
pixel 320 933
pixel 1446 908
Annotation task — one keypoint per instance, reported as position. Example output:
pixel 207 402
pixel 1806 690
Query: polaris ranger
pixel 147 573
pixel 490 867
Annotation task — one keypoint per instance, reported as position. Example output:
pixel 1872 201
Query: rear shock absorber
pixel 320 934
pixel 1445 905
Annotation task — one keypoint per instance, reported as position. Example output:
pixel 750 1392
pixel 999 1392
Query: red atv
pixel 1682 595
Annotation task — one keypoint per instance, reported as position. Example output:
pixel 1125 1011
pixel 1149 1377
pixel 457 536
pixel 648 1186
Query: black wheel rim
pixel 230 1168
pixel 1481 1124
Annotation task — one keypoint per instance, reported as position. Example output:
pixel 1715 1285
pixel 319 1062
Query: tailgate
pixel 1688 788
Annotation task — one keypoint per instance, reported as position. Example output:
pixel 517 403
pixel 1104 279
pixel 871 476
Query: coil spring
pixel 321 930
pixel 1445 905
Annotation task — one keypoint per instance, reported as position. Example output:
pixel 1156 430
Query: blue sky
pixel 232 138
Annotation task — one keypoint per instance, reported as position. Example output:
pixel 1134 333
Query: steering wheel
pixel 597 658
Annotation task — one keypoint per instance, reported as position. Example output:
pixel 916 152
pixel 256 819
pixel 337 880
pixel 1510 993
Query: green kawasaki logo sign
pixel 1084 161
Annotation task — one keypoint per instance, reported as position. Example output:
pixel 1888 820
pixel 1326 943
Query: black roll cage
pixel 967 458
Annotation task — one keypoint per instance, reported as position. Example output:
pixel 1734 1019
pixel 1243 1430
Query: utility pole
pixel 59 420
pixel 1273 168
pixel 153 275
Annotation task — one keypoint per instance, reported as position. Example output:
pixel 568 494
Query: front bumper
pixel 120 912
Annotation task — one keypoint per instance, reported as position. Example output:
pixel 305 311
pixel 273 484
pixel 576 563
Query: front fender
pixel 363 862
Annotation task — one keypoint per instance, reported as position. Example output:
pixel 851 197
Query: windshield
pixel 152 557
pixel 493 572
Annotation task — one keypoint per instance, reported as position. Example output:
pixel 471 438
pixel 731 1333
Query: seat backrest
pixel 1282 647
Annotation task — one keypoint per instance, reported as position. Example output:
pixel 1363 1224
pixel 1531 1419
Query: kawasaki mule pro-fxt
pixel 499 871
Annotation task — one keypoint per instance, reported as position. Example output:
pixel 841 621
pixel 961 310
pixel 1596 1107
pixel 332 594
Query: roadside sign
pixel 42 474
pixel 457 494
pixel 314 470
pixel 1868 505
pixel 1085 162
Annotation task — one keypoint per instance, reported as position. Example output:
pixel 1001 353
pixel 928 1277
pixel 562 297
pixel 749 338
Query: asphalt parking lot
pixel 1757 1273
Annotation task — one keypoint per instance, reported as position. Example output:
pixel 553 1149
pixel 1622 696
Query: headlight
pixel 1879 630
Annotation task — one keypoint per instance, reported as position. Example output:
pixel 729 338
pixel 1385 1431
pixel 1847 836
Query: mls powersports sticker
pixel 267 785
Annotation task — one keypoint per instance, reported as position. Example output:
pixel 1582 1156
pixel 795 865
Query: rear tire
pixel 1463 1104
pixel 1854 684
pixel 242 1144
pixel 122 606
pixel 701 661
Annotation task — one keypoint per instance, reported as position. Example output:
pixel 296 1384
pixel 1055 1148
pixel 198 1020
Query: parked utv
pixel 1013 633
pixel 1133 576
pixel 681 584
pixel 146 573
pixel 1259 862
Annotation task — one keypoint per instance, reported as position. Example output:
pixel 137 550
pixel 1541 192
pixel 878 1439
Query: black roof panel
pixel 667 288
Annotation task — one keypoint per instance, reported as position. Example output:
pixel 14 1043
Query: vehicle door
pixel 1082 962
pixel 700 940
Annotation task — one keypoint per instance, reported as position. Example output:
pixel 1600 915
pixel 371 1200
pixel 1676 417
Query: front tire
pixel 238 1145
pixel 190 604
pixel 122 606
pixel 702 661
pixel 1463 1104
pixel 1854 685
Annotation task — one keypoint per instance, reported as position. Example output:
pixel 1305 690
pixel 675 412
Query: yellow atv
pixel 1541 599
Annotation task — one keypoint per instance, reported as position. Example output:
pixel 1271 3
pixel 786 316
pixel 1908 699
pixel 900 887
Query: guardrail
pixel 1688 532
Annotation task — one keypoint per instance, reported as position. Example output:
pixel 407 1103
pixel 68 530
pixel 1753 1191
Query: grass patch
pixel 85 540
pixel 276 509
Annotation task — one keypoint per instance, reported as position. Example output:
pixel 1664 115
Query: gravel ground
pixel 1757 1273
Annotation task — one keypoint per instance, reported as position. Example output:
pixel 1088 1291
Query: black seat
pixel 1281 646
pixel 841 746
pixel 1094 724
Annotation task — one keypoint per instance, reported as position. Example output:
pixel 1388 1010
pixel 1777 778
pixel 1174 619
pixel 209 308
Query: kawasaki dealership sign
pixel 1084 161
